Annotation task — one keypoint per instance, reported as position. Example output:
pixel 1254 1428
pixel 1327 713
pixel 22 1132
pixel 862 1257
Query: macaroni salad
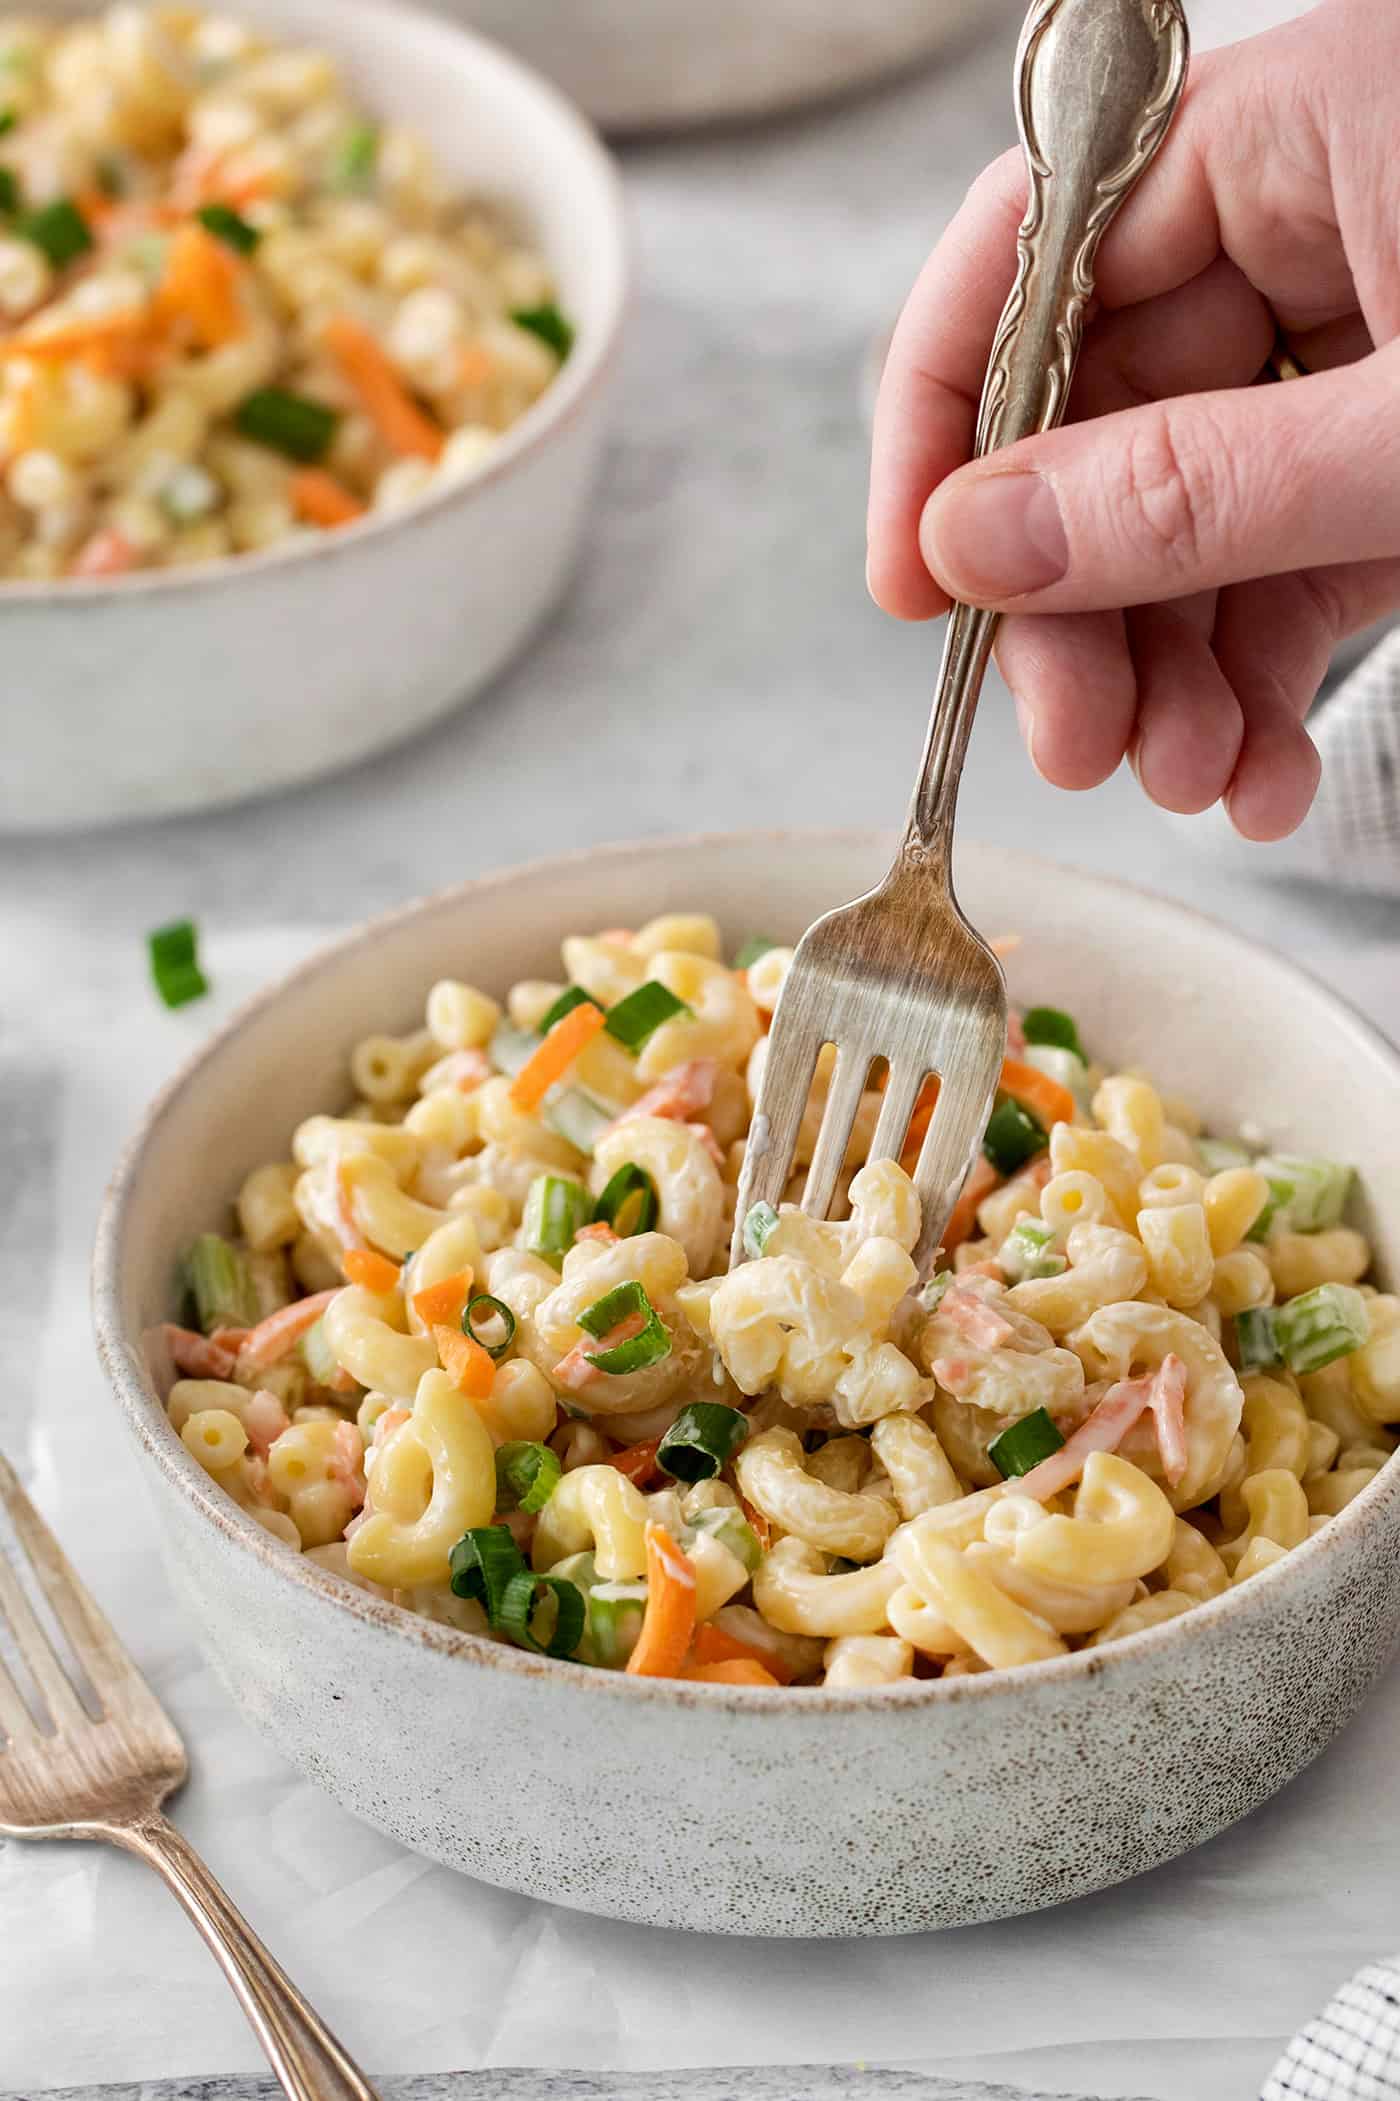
pixel 235 309
pixel 475 1347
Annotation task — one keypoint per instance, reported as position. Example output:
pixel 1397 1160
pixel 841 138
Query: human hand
pixel 1178 562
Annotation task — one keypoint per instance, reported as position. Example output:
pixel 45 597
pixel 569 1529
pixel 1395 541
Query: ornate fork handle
pixel 1098 82
pixel 306 2057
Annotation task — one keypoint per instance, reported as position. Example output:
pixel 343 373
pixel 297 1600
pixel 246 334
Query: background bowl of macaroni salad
pixel 924 1803
pixel 326 332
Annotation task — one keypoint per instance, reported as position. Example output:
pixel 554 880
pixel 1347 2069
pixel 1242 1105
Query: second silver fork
pixel 900 976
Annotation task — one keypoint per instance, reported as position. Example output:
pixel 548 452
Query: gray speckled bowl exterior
pixel 844 1813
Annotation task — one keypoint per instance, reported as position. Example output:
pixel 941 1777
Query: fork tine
pixel 782 1099
pixel 16 1722
pixel 901 1093
pixel 64 1706
pixel 91 1636
pixel 947 1156
pixel 838 1120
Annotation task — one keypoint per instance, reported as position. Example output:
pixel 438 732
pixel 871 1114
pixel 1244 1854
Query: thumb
pixel 1181 496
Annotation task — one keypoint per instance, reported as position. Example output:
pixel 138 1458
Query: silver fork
pixel 900 975
pixel 65 1775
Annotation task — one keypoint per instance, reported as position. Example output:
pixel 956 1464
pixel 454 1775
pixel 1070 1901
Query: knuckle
pixel 1177 494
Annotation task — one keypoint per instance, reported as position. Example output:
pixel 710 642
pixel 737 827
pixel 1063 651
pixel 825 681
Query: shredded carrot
pixel 979 1184
pixel 24 415
pixel 734 1670
pixel 555 1055
pixel 107 553
pixel 669 1620
pixel 637 1461
pixel 758 1523
pixel 441 1304
pixel 466 1363
pixel 362 1265
pixel 322 500
pixel 576 1368
pixel 601 1232
pixel 475 366
pixel 382 394
pixel 76 337
pixel 95 205
pixel 200 288
pixel 272 1338
pixel 230 1338
pixel 919 1123
pixel 197 1356
pixel 712 1645
pixel 1036 1091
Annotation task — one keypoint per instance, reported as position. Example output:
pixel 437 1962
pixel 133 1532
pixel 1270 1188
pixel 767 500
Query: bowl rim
pixel 587 367
pixel 127 1374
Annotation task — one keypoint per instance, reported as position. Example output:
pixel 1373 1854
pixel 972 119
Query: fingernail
pixel 992 537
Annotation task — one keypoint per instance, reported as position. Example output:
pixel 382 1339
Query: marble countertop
pixel 718 664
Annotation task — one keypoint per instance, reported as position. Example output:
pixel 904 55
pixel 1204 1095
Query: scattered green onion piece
pixel 615 1615
pixel 641 1014
pixel 510 1048
pixel 1013 1137
pixel 607 1313
pixel 356 158
pixel 701 1441
pixel 496 1309
pixel 521 1602
pixel 1024 1445
pixel 1028 1251
pixel 110 174
pixel 482 1564
pixel 1049 1025
pixel 8 120
pixel 1319 1326
pixel 1219 1155
pixel 549 325
pixel 175 967
pixel 576 1115
pixel 1066 1066
pixel 760 1224
pixel 555 1209
pixel 757 945
pixel 59 229
pixel 1256 1338
pixel 935 1291
pixel 230 227
pixel 317 1355
pixel 1304 1195
pixel 734 1531
pixel 527 1475
pixel 225 1295
pixel 572 996
pixel 292 424
pixel 9 192
pixel 631 1187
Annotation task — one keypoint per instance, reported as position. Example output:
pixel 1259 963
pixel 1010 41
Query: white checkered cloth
pixel 1351 2052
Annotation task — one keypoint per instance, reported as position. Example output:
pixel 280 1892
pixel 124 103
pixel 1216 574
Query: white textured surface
pixel 719 664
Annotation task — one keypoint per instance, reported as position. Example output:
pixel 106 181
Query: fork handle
pixel 1098 82
pixel 310 2064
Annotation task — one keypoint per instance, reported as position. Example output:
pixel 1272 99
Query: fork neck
pixel 928 837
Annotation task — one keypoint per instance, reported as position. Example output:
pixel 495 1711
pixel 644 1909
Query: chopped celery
pixel 1305 1195
pixel 1029 1250
pixel 510 1048
pixel 733 1530
pixel 555 1208
pixel 225 1294
pixel 1218 1155
pixel 1256 1338
pixel 577 1115
pixel 318 1356
pixel 1319 1326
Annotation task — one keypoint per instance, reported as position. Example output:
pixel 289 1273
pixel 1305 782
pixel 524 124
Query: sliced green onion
pixel 549 325
pixel 355 159
pixel 526 1597
pixel 317 1355
pixel 1028 1251
pixel 1304 1195
pixel 757 945
pixel 1024 1445
pixel 1066 1066
pixel 9 192
pixel 935 1291
pixel 1049 1025
pixel 760 1224
pixel 555 1209
pixel 496 1309
pixel 174 954
pixel 1319 1326
pixel 59 229
pixel 510 1048
pixel 631 1191
pixel 577 1115
pixel 527 1475
pixel 230 227
pixel 482 1564
pixel 225 1294
pixel 8 120
pixel 701 1441
pixel 1013 1137
pixel 1256 1338
pixel 615 1306
pixel 110 175
pixel 615 1615
pixel 641 1014
pixel 1218 1155
pixel 572 996
pixel 733 1530
pixel 289 423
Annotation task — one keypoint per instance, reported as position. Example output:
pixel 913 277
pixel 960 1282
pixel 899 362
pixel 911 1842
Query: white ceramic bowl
pixel 189 687
pixel 838 1813
pixel 638 65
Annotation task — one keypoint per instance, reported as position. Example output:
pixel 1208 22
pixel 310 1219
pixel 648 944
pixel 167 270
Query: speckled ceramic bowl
pixel 840 1813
